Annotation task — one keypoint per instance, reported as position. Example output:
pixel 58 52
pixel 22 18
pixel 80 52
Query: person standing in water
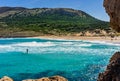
pixel 27 51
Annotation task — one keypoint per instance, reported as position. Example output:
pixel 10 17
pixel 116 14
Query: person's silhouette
pixel 27 51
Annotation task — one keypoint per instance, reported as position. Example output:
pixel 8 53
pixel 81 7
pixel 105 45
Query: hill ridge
pixel 55 21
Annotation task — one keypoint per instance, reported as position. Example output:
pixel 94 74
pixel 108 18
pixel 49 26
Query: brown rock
pixel 113 9
pixel 112 72
pixel 115 56
pixel 53 78
pixel 5 78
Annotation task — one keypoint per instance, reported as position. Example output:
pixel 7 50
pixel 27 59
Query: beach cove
pixel 72 59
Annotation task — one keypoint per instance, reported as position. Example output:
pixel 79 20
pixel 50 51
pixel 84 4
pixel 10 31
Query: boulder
pixel 112 72
pixel 113 9
pixel 53 78
pixel 5 78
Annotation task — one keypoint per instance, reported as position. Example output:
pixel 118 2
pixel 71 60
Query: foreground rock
pixel 113 9
pixel 5 78
pixel 112 72
pixel 53 78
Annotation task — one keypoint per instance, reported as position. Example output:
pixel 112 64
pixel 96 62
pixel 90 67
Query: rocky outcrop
pixel 113 9
pixel 53 78
pixel 112 72
pixel 5 78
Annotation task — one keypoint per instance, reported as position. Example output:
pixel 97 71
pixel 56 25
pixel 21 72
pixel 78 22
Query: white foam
pixel 67 43
pixel 21 47
pixel 5 46
pixel 84 45
pixel 35 44
pixel 60 46
pixel 115 44
pixel 104 42
pixel 6 38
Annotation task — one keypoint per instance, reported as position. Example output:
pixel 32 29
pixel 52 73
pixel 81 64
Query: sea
pixel 31 58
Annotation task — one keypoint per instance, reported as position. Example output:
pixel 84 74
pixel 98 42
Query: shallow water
pixel 74 60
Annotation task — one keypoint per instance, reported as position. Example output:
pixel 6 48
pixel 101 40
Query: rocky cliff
pixel 112 72
pixel 113 9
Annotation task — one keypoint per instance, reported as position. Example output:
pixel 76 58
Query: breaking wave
pixel 55 46
pixel 35 44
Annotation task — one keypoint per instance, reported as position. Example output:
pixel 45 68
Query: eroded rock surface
pixel 112 72
pixel 113 9
pixel 5 78
pixel 53 78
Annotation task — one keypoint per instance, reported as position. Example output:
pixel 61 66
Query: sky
pixel 92 7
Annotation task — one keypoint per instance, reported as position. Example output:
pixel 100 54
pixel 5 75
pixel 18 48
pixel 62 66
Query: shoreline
pixel 102 39
pixel 77 38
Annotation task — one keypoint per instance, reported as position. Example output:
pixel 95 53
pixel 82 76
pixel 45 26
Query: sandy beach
pixel 105 39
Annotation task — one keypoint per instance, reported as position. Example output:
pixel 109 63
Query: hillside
pixel 19 21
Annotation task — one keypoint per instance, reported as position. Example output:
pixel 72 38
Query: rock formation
pixel 5 78
pixel 113 9
pixel 112 72
pixel 53 78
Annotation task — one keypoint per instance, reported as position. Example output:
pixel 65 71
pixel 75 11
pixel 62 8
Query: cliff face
pixel 112 72
pixel 113 9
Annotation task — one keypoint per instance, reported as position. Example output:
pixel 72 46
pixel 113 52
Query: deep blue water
pixel 74 60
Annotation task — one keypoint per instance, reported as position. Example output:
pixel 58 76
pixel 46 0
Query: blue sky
pixel 92 7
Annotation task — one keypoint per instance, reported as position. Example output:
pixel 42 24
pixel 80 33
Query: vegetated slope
pixel 53 21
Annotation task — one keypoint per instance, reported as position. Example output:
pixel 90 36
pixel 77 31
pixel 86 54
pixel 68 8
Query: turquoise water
pixel 74 60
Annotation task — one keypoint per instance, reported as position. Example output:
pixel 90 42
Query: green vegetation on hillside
pixel 54 21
